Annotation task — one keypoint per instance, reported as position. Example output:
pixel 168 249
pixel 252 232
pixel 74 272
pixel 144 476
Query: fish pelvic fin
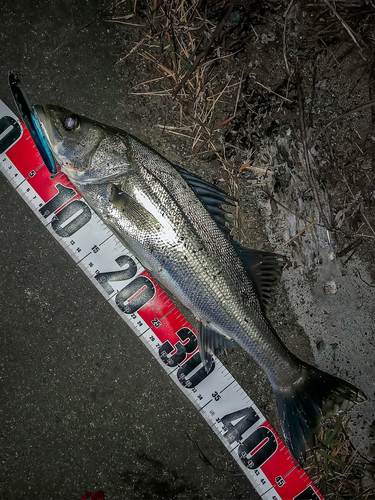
pixel 314 395
pixel 209 340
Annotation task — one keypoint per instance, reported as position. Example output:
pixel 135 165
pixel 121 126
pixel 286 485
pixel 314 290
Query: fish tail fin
pixel 314 395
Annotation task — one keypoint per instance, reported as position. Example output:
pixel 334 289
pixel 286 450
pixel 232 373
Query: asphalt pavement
pixel 84 406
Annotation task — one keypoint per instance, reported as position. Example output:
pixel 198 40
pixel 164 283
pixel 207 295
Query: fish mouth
pixel 78 177
pixel 49 125
pixel 30 118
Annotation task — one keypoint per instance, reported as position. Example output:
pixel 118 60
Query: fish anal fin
pixel 210 341
pixel 264 269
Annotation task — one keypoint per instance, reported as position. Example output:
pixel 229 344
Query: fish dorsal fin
pixel 263 268
pixel 211 196
pixel 210 341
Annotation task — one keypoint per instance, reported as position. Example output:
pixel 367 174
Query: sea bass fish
pixel 174 223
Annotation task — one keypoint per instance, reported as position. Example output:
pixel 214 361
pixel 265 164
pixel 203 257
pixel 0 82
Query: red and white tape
pixel 136 297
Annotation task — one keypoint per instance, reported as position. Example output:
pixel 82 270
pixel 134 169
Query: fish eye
pixel 71 123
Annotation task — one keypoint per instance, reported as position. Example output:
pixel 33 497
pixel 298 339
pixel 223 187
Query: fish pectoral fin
pixel 133 211
pixel 263 268
pixel 212 197
pixel 210 341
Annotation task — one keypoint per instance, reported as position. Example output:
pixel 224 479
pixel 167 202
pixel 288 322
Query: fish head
pixel 87 151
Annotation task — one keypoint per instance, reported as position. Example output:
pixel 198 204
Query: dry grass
pixel 195 48
pixel 336 467
pixel 186 45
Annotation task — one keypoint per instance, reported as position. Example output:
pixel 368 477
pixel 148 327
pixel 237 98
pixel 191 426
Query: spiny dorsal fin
pixel 264 270
pixel 209 340
pixel 211 196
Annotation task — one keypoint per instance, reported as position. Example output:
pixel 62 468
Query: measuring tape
pixel 153 317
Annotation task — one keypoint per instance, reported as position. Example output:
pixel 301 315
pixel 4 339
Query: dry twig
pixel 296 235
pixel 203 54
pixel 346 113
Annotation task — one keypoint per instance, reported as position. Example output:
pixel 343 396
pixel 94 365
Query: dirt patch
pixel 273 100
